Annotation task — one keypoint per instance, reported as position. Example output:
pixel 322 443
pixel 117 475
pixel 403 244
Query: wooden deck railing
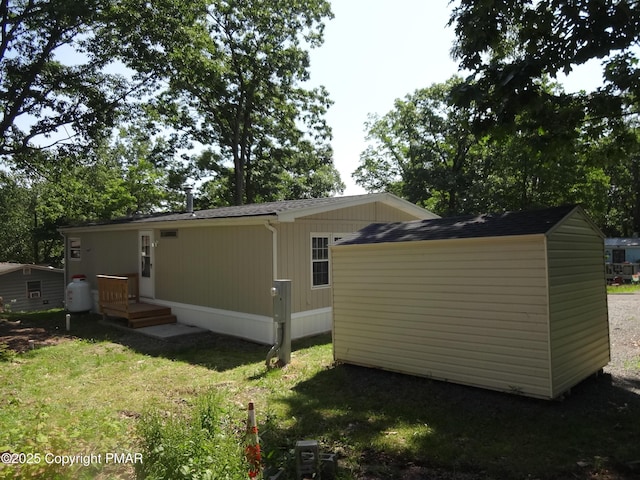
pixel 622 271
pixel 117 292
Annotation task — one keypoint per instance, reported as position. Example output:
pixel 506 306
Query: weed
pixel 6 354
pixel 200 446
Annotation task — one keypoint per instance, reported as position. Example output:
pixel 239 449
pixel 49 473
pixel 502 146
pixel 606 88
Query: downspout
pixel 274 244
pixel 278 326
pixel 66 265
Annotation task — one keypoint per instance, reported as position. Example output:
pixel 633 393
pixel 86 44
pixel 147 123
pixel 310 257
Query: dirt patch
pixel 17 336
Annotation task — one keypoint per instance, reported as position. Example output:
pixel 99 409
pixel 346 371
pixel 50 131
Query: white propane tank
pixel 79 294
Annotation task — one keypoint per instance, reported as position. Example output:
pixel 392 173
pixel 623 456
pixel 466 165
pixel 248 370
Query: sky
pixel 376 51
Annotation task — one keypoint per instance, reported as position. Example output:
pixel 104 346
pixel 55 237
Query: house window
pixel 168 234
pixel 34 289
pixel 75 246
pixel 320 261
pixel 320 258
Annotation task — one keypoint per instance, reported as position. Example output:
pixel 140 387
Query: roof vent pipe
pixel 188 190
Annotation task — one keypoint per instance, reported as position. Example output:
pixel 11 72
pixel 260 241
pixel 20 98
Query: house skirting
pixel 256 328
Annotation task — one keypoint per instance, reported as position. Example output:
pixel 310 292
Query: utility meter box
pixel 281 293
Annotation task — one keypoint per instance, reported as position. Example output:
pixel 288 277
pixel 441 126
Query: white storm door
pixel 146 267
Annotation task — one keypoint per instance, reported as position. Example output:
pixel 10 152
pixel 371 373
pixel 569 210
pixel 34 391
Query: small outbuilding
pixel 513 302
pixel 25 287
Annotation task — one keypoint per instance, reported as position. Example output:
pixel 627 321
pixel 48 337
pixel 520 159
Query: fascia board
pixel 175 224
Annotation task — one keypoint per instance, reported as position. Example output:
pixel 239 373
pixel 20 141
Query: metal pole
pixel 282 315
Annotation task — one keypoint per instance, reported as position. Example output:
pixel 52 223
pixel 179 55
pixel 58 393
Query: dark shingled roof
pixel 251 210
pixel 472 226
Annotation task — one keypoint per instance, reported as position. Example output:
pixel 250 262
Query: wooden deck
pixel 118 297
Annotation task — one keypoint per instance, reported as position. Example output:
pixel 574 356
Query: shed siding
pixel 579 337
pixel 439 309
pixel 227 268
pixel 13 290
pixel 105 253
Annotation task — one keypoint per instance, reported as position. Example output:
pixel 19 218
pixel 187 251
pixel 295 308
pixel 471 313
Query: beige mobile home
pixel 215 268
pixel 513 302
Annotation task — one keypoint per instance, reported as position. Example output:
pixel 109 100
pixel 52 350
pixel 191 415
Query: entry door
pixel 146 267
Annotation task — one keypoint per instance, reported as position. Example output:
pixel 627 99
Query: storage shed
pixel 513 302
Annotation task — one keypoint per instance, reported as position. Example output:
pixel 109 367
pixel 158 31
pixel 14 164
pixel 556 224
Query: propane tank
pixel 78 298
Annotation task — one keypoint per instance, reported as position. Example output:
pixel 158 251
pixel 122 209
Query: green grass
pixel 100 392
pixel 624 288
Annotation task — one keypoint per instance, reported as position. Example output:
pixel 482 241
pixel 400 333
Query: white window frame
pixel 331 239
pixel 75 249
pixel 36 289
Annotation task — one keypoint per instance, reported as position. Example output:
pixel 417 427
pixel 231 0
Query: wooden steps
pixel 119 296
pixel 140 315
pixel 151 321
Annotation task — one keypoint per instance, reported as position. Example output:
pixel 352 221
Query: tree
pixel 509 46
pixel 619 152
pixel 234 72
pixel 131 175
pixel 426 151
pixel 16 219
pixel 45 101
pixel 421 151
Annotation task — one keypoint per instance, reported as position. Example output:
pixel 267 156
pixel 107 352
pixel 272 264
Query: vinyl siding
pixel 13 290
pixel 105 253
pixel 469 311
pixel 368 213
pixel 228 268
pixel 294 247
pixel 579 340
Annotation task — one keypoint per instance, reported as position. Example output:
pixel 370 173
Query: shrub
pixel 202 446
pixel 6 354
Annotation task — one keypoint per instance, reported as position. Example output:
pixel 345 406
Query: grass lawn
pixel 86 394
pixel 624 288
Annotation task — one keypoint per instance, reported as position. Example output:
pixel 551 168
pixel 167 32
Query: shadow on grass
pixel 216 352
pixel 394 424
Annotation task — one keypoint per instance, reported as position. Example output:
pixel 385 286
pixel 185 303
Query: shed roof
pixel 471 226
pixel 283 211
pixel 8 267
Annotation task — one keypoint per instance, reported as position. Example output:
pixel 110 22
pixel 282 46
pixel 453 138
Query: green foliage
pixel 234 74
pixel 420 151
pixel 510 46
pixel 127 176
pixel 16 218
pixel 427 151
pixel 202 446
pixel 47 102
pixel 6 354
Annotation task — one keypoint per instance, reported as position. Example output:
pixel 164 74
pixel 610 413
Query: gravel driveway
pixel 624 331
